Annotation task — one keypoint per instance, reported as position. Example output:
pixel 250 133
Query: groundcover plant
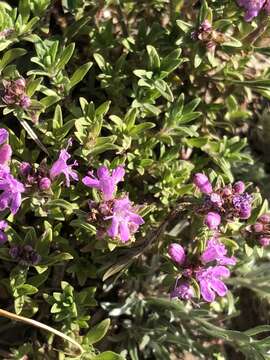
pixel 134 177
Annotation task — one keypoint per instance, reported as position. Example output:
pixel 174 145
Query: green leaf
pixel 11 55
pixel 154 60
pixel 57 122
pixel 79 74
pixel 98 332
pixel 65 57
pixel 108 355
pixel 26 289
pixel 141 128
pixel 55 259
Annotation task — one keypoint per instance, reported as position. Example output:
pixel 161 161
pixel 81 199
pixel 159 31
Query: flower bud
pixel 5 154
pixel 177 253
pixel 227 191
pixel 183 291
pixel 264 241
pixel 203 183
pixel 3 135
pixel 25 102
pixel 3 237
pixel 258 227
pixel 212 220
pixel 216 199
pixel 20 82
pixel 265 218
pixel 245 213
pixel 25 169
pixel 44 184
pixel 239 187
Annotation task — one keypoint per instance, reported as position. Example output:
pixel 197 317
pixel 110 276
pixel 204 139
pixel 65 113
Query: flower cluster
pixel 61 167
pixel 24 255
pixel 15 93
pixel 260 231
pixel 116 217
pixel 208 270
pixel 203 32
pixel 12 189
pixel 223 203
pixel 35 178
pixel 254 7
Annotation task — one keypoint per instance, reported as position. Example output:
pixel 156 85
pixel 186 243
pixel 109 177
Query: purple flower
pixel 242 203
pixel 105 181
pixel 258 227
pixel 183 291
pixel 239 187
pixel 25 255
pixel 44 184
pixel 125 221
pixel 25 169
pixel 203 183
pixel 12 189
pixel 216 199
pixel 210 283
pixel 5 154
pixel 61 167
pixel 25 102
pixel 3 236
pixel 265 218
pixel 216 251
pixel 264 241
pixel 3 136
pixel 177 253
pixel 3 225
pixel 252 8
pixel 212 220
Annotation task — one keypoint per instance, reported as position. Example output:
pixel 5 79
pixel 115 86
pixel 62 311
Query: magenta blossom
pixel 210 283
pixel 61 167
pixel 105 181
pixel 3 227
pixel 5 154
pixel 177 253
pixel 264 241
pixel 183 291
pixel 125 220
pixel 216 251
pixel 203 183
pixel 12 189
pixel 253 7
pixel 212 220
pixel 3 135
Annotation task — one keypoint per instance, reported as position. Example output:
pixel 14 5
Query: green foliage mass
pixel 131 83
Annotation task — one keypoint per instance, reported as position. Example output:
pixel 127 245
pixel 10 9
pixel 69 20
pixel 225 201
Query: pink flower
pixel 3 135
pixel 125 220
pixel 264 241
pixel 105 181
pixel 203 183
pixel 182 291
pixel 253 7
pixel 3 227
pixel 61 167
pixel 5 154
pixel 216 251
pixel 44 184
pixel 212 220
pixel 211 283
pixel 239 187
pixel 177 253
pixel 12 189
